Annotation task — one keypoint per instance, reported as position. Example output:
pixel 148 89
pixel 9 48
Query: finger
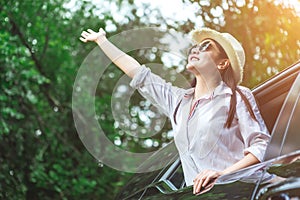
pixel 91 31
pixel 206 189
pixel 82 39
pixel 102 31
pixel 206 181
pixel 84 33
pixel 199 185
pixel 196 186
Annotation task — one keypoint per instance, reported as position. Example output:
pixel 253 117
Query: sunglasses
pixel 205 46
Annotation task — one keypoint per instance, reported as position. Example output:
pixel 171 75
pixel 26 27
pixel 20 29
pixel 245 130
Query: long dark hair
pixel 228 78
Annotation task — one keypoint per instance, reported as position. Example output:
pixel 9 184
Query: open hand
pixel 91 35
pixel 205 180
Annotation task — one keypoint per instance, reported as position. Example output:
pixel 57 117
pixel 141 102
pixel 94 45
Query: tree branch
pixel 16 30
pixel 46 43
pixel 46 86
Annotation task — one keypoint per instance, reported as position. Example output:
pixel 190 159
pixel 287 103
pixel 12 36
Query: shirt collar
pixel 221 89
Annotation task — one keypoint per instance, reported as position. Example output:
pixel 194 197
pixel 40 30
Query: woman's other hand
pixel 93 36
pixel 205 180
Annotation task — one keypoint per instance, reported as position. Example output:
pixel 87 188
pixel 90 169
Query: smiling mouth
pixel 194 59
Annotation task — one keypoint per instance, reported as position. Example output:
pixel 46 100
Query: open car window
pixel 271 94
pixel 173 178
pixel 285 136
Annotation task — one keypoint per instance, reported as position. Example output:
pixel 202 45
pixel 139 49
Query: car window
pixel 292 139
pixel 285 136
pixel 271 94
pixel 177 177
pixel 173 178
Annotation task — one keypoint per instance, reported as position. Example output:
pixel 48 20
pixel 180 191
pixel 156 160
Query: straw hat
pixel 232 47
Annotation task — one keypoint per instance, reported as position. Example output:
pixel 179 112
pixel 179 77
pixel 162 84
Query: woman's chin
pixel 189 67
pixel 192 70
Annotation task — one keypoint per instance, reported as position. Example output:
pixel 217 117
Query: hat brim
pixel 205 33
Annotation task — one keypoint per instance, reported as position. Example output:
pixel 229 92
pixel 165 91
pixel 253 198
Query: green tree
pixel 41 154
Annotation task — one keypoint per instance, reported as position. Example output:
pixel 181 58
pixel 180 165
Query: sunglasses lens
pixel 203 47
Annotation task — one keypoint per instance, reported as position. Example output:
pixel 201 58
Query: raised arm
pixel 125 62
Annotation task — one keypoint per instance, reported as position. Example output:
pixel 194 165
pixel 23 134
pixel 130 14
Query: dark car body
pixel 278 99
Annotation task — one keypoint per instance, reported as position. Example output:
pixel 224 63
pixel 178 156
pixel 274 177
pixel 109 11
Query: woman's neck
pixel 205 86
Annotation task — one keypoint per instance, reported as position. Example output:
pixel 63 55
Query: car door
pixel 285 146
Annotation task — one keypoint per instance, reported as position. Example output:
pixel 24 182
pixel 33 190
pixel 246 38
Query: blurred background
pixel 41 155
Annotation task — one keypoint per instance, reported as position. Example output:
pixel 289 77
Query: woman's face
pixel 204 57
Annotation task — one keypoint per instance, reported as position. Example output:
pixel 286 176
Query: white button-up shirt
pixel 199 134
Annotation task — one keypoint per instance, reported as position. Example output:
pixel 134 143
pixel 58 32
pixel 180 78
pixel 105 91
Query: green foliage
pixel 41 155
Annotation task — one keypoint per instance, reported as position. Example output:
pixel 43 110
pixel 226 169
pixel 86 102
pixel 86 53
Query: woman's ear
pixel 223 64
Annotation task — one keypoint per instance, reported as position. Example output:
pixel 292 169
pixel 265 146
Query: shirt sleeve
pixel 161 94
pixel 254 133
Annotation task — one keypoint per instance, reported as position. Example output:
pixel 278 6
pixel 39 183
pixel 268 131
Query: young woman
pixel 217 125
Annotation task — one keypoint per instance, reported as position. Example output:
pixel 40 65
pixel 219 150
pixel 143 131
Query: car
pixel 278 99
